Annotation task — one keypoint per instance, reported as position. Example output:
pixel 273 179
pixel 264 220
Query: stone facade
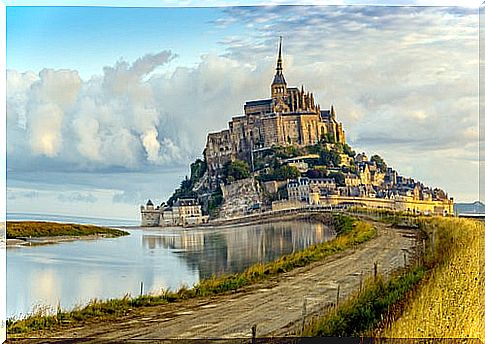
pixel 184 212
pixel 289 117
pixel 308 190
pixel 240 198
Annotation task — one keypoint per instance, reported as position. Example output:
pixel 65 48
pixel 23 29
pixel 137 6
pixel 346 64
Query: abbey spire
pixel 278 87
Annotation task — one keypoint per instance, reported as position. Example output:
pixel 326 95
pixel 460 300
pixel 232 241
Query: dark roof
pixel 259 102
pixel 279 79
pixel 149 202
pixel 325 113
pixel 186 201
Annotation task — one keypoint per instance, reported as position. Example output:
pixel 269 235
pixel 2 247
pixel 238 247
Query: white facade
pixel 184 212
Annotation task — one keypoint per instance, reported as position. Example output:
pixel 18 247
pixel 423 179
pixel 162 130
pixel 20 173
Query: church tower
pixel 278 87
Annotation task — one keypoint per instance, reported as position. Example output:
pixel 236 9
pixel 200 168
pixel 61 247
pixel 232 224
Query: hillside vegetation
pixel 18 229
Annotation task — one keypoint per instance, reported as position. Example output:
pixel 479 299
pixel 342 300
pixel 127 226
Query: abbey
pixel 289 118
pixel 287 153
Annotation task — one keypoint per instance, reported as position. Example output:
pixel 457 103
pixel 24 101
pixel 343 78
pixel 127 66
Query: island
pixel 39 232
pixel 287 153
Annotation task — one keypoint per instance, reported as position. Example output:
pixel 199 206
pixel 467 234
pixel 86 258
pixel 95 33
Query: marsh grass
pixel 437 297
pixel 365 310
pixel 350 232
pixel 448 304
pixel 18 229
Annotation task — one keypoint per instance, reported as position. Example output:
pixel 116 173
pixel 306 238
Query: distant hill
pixel 476 207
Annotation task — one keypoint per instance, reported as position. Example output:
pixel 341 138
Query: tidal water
pixel 72 273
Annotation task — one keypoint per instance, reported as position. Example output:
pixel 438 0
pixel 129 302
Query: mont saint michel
pixel 246 173
pixel 286 152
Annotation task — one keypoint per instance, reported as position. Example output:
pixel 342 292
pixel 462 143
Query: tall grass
pixel 365 310
pixel 351 232
pixel 448 304
pixel 16 229
pixel 436 297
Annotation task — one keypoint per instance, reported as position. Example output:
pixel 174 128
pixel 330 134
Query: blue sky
pixel 89 38
pixel 106 107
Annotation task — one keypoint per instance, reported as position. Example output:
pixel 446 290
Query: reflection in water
pixel 73 273
pixel 234 249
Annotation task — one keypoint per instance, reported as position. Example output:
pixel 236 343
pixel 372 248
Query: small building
pixel 184 212
pixel 309 190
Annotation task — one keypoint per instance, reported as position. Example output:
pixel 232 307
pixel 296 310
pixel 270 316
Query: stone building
pixel 308 190
pixel 184 212
pixel 289 117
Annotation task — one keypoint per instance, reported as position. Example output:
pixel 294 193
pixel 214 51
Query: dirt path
pixel 275 305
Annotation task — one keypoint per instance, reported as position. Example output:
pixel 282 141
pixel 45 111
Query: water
pixel 72 273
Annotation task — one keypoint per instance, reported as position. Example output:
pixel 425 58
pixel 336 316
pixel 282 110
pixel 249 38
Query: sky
pixel 107 107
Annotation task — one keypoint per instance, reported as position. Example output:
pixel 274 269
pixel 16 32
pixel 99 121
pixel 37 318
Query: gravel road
pixel 275 306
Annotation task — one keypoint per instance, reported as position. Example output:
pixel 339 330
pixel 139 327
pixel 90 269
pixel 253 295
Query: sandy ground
pixel 35 241
pixel 275 306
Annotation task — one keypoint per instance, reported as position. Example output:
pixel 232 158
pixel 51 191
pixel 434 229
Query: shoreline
pixel 35 233
pixel 249 279
pixel 251 220
pixel 50 240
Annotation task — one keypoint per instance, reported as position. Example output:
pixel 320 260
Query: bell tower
pixel 278 87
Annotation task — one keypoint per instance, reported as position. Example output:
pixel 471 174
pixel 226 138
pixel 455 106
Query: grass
pixel 448 303
pixel 365 310
pixel 437 297
pixel 350 232
pixel 19 229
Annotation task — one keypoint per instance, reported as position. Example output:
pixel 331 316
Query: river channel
pixel 72 273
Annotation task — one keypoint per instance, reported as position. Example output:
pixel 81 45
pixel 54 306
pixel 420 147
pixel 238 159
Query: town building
pixel 184 212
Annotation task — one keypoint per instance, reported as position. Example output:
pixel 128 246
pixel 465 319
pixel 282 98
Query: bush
pixel 236 170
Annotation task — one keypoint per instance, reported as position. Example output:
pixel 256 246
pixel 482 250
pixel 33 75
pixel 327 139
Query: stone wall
pixel 239 196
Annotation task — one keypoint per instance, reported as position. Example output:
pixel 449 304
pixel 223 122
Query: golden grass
pixel 447 305
pixel 16 229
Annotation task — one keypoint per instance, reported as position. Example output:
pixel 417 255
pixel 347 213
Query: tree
pixel 329 157
pixel 380 163
pixel 339 178
pixel 312 174
pixel 215 201
pixel 348 150
pixel 286 172
pixel 236 170
pixel 197 170
pixel 328 138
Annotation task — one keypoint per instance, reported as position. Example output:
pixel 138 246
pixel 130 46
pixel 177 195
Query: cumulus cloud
pixel 107 121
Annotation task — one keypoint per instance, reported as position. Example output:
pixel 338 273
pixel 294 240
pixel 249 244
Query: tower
pixel 278 87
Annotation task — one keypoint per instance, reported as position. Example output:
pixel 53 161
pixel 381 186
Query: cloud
pixel 77 197
pixel 16 194
pixel 57 119
pixel 403 80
